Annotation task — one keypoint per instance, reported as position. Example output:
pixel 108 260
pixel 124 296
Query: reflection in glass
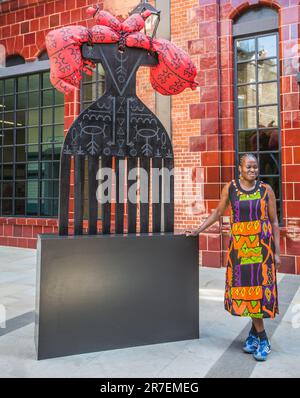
pixel 31 207
pixel 267 46
pixel 32 170
pixel 274 182
pixel 267 93
pixel 47 152
pixel 20 118
pixel 268 140
pixel 247 141
pixel 59 115
pixel 247 118
pixel 246 49
pixel 32 188
pixel 47 98
pixel 56 151
pixel 268 163
pixel 268 116
pixel 247 95
pixel 58 97
pixel 22 101
pixel 33 118
pixel 59 133
pixel 267 70
pixel 55 169
pixel 46 170
pixel 9 86
pixel 46 80
pixel 47 189
pixel 246 73
pixel 33 82
pixel 9 103
pixel 47 116
pixel 32 152
pixel 47 134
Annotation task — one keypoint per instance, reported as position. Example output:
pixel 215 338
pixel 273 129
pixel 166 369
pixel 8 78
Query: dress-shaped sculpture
pixel 119 125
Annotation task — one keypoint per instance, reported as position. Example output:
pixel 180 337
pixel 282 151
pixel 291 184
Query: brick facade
pixel 202 120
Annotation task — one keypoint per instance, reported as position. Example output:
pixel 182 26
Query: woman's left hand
pixel 277 261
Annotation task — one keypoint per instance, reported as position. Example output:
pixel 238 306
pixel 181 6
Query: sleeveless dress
pixel 251 287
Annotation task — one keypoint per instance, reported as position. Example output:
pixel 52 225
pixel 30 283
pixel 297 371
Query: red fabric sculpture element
pixel 174 73
pixel 66 63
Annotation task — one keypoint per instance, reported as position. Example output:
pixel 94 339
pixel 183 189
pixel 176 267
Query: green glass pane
pixel 47 134
pixel 267 70
pixel 267 46
pixel 21 101
pixel 20 189
pixel 46 170
pixel 9 103
pixel 33 82
pixel 47 189
pixel 33 135
pixel 7 189
pixel 268 140
pixel 8 172
pixel 59 115
pixel 20 136
pixel 47 152
pixel 87 92
pixel 46 80
pixel 32 188
pixel 274 182
pixel 268 116
pixel 245 49
pixel 8 137
pixel 31 207
pixel 247 118
pixel 57 151
pixel 58 97
pixel 33 117
pixel 47 116
pixel 246 73
pixel 20 171
pixel 9 86
pixel 8 154
pixel 20 154
pixel 47 98
pixel 21 118
pixel 32 152
pixel 20 207
pixel 1 87
pixel 22 83
pixel 247 95
pixel 33 99
pixel 32 170
pixel 267 93
pixel 59 133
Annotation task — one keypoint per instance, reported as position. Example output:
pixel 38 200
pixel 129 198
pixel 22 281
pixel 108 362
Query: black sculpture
pixel 106 291
pixel 117 125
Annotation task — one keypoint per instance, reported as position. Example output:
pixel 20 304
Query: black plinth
pixel 105 292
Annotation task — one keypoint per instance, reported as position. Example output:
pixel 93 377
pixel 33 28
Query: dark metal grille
pixel 32 132
pixel 257 106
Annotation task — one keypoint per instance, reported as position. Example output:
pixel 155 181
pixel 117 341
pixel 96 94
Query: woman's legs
pixel 258 325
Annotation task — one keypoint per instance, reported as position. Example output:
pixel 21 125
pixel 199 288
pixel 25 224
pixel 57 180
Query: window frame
pixel 34 68
pixel 255 35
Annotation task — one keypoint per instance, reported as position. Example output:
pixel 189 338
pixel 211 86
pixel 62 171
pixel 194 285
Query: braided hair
pixel 247 155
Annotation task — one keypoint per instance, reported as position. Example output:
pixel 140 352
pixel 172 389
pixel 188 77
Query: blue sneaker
pixel 251 344
pixel 263 350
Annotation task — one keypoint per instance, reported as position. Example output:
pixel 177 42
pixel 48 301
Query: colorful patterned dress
pixel 251 288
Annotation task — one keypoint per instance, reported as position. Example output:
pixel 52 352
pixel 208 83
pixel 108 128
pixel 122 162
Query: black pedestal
pixel 113 291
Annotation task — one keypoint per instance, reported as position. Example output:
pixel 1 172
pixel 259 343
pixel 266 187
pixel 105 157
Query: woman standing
pixel 254 252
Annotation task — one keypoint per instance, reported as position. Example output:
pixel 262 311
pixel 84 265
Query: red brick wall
pixel 202 120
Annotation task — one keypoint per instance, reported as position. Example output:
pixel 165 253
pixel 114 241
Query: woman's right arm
pixel 216 214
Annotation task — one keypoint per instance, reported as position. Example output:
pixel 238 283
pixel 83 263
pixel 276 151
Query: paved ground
pixel 216 354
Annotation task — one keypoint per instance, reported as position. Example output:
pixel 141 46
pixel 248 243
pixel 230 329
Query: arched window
pixel 257 106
